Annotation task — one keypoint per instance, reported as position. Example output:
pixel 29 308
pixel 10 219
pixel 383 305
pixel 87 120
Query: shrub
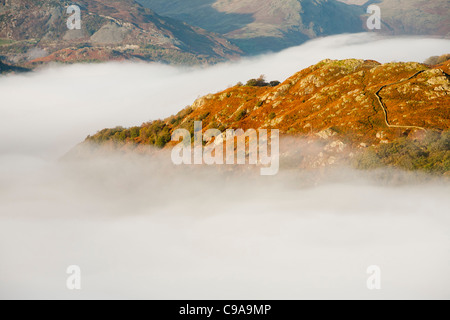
pixel 241 115
pixel 163 139
pixel 135 132
pixel 368 160
pixel 274 83
pixel 432 154
pixel 260 82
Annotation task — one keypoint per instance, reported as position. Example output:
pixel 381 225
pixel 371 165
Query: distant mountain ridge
pixel 271 25
pixel 111 29
pixel 415 17
pixel 35 32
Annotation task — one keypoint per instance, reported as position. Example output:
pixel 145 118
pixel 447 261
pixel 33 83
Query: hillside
pixel 269 25
pixel 412 17
pixel 4 68
pixel 351 108
pixel 416 17
pixel 195 31
pixel 36 32
pixel 261 26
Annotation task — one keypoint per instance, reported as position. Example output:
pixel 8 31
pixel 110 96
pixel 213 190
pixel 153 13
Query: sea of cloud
pixel 140 228
pixel 49 111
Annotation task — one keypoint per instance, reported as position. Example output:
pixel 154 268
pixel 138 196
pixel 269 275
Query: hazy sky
pixel 139 228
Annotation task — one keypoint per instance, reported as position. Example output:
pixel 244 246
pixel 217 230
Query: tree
pixel 274 83
pixel 260 82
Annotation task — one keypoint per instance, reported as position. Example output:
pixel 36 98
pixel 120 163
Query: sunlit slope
pixel 349 105
pixel 336 95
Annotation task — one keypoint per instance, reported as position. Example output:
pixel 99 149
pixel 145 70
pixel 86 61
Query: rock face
pixel 107 25
pixel 333 105
pixel 110 33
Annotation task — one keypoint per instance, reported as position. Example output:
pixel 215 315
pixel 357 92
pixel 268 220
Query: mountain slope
pixel 349 105
pixel 258 26
pixel 34 32
pixel 416 17
pixel 268 25
pixel 4 68
pixel 116 28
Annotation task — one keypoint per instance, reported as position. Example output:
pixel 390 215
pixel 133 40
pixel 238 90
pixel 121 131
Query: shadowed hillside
pixel 270 25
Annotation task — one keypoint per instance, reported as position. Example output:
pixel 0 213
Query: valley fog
pixel 139 227
pixel 48 112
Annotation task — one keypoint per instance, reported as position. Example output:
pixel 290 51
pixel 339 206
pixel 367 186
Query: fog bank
pixel 140 228
pixel 50 111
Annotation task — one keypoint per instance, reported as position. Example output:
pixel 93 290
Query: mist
pixel 50 111
pixel 140 227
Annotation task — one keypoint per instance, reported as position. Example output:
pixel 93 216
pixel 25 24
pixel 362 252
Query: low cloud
pixel 50 111
pixel 139 227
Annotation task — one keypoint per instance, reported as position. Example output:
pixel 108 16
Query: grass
pixel 5 41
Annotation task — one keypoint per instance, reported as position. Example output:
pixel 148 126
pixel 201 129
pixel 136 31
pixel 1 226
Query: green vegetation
pixel 241 115
pixel 430 154
pixel 274 83
pixel 5 41
pixel 261 82
pixel 155 133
